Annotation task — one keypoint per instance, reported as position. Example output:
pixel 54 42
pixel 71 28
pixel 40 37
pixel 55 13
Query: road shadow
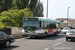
pixel 10 48
pixel 71 41
pixel 52 37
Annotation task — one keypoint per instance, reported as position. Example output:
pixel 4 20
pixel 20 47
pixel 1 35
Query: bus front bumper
pixel 33 34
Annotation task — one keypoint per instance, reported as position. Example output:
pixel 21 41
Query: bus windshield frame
pixel 31 24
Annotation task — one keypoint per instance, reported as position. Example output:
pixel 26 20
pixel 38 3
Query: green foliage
pixel 38 10
pixel 35 6
pixel 21 3
pixel 5 5
pixel 2 25
pixel 14 8
pixel 14 17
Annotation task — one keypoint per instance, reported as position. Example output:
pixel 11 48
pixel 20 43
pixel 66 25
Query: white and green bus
pixel 39 26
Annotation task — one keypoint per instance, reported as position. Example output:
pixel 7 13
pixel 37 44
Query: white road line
pixel 57 44
pixel 46 49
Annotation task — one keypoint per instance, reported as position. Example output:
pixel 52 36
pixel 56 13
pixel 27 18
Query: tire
pixel 7 44
pixel 31 37
pixel 66 39
pixel 56 34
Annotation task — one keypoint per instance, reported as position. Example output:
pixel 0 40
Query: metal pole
pixel 47 10
pixel 67 15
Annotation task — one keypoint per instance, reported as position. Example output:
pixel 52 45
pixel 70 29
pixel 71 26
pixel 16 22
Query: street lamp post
pixel 67 15
pixel 47 9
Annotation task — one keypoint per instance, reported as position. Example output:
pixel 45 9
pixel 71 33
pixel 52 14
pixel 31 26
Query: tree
pixel 5 5
pixel 38 10
pixel 21 3
pixel 0 5
pixel 1 25
pixel 14 17
pixel 33 4
pixel 26 4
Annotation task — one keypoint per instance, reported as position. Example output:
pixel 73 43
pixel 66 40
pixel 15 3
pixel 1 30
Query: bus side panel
pixel 50 30
pixel 46 30
pixel 55 29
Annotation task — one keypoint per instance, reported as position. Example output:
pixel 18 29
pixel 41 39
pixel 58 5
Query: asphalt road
pixel 49 43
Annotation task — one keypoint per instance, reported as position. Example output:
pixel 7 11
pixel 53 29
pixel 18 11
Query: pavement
pixel 17 36
pixel 48 43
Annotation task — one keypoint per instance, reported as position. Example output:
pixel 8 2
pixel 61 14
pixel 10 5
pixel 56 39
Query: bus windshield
pixel 31 25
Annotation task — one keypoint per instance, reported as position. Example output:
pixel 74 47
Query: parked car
pixel 64 30
pixel 5 40
pixel 70 34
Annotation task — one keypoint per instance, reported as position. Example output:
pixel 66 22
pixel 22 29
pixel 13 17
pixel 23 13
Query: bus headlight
pixel 23 31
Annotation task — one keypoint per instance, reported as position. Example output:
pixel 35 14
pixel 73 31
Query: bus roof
pixel 44 19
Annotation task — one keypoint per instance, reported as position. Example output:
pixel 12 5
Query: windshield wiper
pixel 30 28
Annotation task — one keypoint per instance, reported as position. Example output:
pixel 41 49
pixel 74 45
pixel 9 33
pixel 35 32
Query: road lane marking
pixel 57 44
pixel 46 49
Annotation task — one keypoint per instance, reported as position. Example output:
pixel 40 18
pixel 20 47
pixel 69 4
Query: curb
pixel 17 36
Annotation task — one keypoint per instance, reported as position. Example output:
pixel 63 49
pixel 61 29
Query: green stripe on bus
pixel 48 20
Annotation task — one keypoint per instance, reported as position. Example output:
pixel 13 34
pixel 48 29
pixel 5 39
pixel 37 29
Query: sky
pixel 58 8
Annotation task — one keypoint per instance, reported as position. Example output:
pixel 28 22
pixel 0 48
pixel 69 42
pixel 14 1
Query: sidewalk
pixel 17 36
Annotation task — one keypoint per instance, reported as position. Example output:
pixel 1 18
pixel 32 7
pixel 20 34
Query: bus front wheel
pixel 45 35
pixel 32 37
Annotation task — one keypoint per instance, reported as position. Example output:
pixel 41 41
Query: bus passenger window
pixel 57 26
pixel 45 25
pixel 41 24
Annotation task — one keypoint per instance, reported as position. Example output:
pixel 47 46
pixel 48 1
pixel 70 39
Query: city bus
pixel 39 27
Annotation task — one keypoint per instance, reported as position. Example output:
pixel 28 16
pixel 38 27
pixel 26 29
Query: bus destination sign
pixel 31 19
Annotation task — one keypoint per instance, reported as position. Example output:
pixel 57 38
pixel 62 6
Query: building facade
pixel 66 23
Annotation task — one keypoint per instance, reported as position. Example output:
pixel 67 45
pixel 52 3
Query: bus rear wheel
pixel 56 34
